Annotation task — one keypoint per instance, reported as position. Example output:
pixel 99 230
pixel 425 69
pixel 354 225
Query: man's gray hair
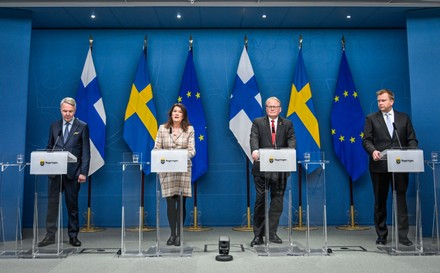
pixel 68 100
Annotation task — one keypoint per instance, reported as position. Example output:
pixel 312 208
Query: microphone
pixel 397 135
pixel 171 130
pixel 56 140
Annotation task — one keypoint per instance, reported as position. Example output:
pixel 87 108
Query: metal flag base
pixel 301 228
pixel 247 229
pixel 89 229
pixel 199 228
pixel 352 227
pixel 196 226
pixel 135 229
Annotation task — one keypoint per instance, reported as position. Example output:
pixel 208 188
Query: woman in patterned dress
pixel 176 133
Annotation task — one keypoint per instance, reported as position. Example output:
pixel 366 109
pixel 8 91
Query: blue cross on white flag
pixel 90 109
pixel 245 104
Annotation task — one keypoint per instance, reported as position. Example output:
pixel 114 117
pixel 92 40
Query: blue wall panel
pixel 424 56
pixel 378 58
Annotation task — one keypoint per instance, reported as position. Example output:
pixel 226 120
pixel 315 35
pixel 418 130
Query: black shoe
pixel 171 240
pixel 381 241
pixel 75 242
pixel 275 239
pixel 48 240
pixel 177 241
pixel 258 240
pixel 405 242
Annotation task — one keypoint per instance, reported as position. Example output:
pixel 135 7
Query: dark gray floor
pixel 353 252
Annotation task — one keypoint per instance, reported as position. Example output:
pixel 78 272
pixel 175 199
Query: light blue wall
pixel 377 58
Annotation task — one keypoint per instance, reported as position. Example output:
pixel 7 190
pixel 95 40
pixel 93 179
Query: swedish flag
pixel 140 126
pixel 302 113
pixel 190 96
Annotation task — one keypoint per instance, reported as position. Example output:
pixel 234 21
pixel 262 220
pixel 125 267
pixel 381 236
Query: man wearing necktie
pixel 379 135
pixel 270 131
pixel 72 135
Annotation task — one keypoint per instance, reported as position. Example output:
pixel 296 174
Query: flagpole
pixel 352 225
pixel 88 227
pixel 248 226
pixel 195 226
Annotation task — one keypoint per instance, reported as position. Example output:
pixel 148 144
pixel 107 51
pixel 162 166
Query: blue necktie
pixel 389 125
pixel 66 132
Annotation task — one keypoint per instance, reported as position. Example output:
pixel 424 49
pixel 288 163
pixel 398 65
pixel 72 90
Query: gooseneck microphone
pixel 397 135
pixel 56 141
pixel 171 130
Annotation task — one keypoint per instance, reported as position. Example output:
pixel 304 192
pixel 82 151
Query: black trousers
pixel 276 185
pixel 382 182
pixel 70 188
pixel 173 213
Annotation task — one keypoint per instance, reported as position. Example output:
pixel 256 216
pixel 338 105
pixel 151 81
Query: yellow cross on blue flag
pixel 348 123
pixel 140 128
pixel 302 113
pixel 191 97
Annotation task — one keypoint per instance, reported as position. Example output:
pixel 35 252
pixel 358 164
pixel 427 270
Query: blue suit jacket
pixel 78 143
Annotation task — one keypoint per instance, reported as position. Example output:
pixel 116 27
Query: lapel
pixel 383 125
pixel 72 130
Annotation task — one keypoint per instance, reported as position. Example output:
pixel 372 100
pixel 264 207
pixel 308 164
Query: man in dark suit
pixel 68 134
pixel 270 131
pixel 379 135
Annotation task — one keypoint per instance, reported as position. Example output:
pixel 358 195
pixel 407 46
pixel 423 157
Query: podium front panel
pixel 167 161
pixel 405 161
pixel 277 160
pixel 50 163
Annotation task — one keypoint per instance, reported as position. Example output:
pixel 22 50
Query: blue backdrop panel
pixel 377 58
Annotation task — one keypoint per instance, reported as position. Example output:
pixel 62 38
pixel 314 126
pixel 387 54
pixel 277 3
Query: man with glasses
pixel 270 131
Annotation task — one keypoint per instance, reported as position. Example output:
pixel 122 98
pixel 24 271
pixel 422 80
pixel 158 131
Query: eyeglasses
pixel 272 107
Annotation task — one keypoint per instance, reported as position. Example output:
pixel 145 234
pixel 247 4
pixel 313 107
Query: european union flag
pixel 90 109
pixel 245 103
pixel 348 123
pixel 190 96
pixel 140 128
pixel 302 113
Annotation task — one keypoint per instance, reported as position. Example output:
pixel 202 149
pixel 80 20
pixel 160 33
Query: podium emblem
pixel 398 160
pixel 41 162
pixel 162 160
pixel 270 159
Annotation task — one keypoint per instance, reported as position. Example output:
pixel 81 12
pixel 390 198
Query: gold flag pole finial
pixel 343 43
pixel 245 41
pixel 190 42
pixel 300 42
pixel 91 41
